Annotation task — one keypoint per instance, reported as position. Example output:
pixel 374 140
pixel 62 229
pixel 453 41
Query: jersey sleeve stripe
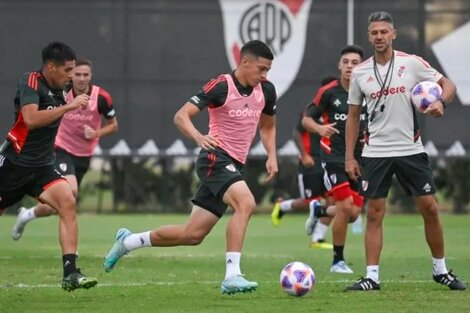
pixel 322 90
pixel 210 85
pixel 106 96
pixel 33 80
pixel 305 139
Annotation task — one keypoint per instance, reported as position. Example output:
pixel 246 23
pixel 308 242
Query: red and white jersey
pixel 71 134
pixel 394 129
pixel 234 124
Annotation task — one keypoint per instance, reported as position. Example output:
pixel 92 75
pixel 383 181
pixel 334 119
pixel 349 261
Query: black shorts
pixel 217 171
pixel 412 171
pixel 69 164
pixel 311 183
pixel 336 176
pixel 17 181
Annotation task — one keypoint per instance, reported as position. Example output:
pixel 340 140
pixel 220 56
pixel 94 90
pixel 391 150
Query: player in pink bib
pixel 238 103
pixel 76 139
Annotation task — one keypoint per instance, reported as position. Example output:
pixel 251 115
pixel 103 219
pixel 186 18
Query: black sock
pixel 68 261
pixel 338 254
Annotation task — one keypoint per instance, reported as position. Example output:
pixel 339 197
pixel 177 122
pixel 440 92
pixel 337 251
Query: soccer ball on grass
pixel 297 279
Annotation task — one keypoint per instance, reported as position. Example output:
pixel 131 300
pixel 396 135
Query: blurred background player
pixel 330 104
pixel 310 181
pixel 77 137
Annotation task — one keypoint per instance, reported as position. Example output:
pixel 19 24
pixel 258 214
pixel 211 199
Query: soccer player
pixel 330 104
pixel 77 137
pixel 26 157
pixel 393 145
pixel 311 186
pixel 237 103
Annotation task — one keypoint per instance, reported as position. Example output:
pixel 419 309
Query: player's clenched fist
pixel 80 101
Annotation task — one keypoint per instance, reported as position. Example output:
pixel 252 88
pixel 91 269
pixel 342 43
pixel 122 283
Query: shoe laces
pixel 447 278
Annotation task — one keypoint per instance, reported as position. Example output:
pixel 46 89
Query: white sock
pixel 286 205
pixel 136 241
pixel 319 232
pixel 373 273
pixel 439 266
pixel 28 215
pixel 232 264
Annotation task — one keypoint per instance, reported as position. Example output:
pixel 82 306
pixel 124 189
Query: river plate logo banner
pixel 282 24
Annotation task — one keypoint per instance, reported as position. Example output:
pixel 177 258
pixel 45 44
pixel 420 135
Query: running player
pixel 237 103
pixel 77 137
pixel 26 157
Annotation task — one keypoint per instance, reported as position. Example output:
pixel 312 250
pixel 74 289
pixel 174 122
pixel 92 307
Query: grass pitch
pixel 187 279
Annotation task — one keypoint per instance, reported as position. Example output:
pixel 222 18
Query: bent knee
pixel 195 239
pixel 246 206
pixel 354 214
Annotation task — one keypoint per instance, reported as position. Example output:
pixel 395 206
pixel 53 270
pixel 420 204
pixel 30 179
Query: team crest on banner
pixel 282 24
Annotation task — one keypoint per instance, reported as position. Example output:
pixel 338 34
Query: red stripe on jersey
pixel 33 80
pixel 305 139
pixel 322 90
pixel 208 87
pixel 106 96
pixel 18 134
pixel 426 64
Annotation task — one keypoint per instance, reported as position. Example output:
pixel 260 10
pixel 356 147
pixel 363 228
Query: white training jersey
pixel 393 128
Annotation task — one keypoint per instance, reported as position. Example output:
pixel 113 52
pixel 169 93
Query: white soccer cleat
pixel 18 228
pixel 312 219
pixel 341 267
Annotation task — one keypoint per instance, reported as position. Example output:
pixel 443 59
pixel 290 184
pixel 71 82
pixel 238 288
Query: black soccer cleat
pixel 363 284
pixel 450 280
pixel 78 280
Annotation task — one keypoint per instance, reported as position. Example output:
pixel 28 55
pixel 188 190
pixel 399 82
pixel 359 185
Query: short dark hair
pixel 353 49
pixel 58 53
pixel 258 49
pixel 83 61
pixel 380 16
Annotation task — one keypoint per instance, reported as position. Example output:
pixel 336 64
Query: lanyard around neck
pixel 383 84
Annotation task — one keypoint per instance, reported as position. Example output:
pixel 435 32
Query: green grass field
pixel 187 279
